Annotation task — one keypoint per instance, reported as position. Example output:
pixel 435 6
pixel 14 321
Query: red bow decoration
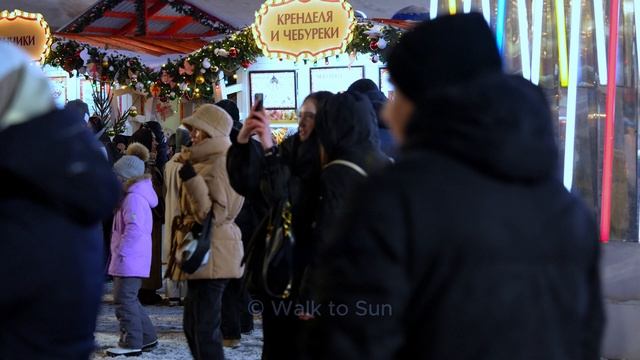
pixel 93 70
pixel 186 69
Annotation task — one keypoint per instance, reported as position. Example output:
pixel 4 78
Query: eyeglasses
pixel 306 115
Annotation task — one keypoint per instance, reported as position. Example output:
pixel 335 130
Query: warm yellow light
pixel 452 7
pixel 38 53
pixel 271 35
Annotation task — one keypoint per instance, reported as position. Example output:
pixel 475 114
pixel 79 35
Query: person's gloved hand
pixel 187 172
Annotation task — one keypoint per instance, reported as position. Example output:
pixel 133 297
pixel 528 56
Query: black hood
pixel 346 124
pixel 369 89
pixel 499 124
pixel 378 100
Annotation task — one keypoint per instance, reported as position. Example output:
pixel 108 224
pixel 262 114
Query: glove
pixel 187 172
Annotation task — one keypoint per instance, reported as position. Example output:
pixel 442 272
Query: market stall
pixel 559 45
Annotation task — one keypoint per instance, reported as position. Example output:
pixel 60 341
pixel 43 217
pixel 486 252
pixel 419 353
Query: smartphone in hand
pixel 259 101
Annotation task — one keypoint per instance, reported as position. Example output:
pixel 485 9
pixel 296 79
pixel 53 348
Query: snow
pixel 172 343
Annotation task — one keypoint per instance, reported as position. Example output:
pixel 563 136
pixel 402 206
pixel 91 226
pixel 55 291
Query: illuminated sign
pixel 304 29
pixel 28 31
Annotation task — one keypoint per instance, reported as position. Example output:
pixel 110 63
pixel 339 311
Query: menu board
pixel 386 86
pixel 335 79
pixel 279 88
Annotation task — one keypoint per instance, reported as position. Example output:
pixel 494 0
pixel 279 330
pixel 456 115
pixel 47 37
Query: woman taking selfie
pixel 286 173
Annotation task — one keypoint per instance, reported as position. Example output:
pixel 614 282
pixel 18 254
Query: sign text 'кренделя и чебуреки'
pixel 316 17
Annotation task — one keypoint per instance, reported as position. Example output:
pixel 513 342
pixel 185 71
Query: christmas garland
pixel 92 15
pixel 179 6
pixel 204 18
pixel 194 76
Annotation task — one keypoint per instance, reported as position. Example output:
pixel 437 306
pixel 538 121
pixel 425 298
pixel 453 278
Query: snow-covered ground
pixel 172 343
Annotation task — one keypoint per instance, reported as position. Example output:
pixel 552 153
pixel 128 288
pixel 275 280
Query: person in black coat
pixel 369 89
pixel 346 128
pixel 236 318
pixel 162 147
pixel 271 175
pixel 469 247
pixel 56 188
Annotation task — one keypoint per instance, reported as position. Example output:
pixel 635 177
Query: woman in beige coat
pixel 205 184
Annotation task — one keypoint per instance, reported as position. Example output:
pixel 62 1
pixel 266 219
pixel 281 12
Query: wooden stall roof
pixel 153 27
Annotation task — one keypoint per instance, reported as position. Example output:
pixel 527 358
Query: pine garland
pixel 194 76
pixel 197 14
pixel 96 12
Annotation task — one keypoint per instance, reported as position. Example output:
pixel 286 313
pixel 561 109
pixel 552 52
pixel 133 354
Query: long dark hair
pixel 319 98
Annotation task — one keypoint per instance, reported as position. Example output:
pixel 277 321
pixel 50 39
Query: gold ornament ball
pixel 133 113
pixel 215 69
pixel 105 63
pixel 200 80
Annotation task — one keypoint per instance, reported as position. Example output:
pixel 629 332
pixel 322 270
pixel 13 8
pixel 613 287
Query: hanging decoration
pixel 194 76
pixel 179 6
pixel 203 17
pixel 92 15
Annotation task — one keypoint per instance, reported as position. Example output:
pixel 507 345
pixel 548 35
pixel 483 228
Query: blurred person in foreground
pixel 474 250
pixel 57 187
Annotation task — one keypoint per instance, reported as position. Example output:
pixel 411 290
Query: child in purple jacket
pixel 131 253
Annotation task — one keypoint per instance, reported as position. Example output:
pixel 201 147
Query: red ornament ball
pixel 374 45
pixel 233 52
pixel 245 64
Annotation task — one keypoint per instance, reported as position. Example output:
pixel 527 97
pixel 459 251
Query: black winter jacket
pixel 346 128
pixel 56 187
pixel 470 247
pixel 292 173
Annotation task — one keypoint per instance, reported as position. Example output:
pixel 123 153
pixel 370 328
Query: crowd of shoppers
pixel 435 221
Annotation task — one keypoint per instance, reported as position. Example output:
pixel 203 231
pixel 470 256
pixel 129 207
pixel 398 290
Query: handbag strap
pixel 348 164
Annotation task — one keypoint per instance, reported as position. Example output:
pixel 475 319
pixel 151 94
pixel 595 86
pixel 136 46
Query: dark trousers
pixel 135 326
pixel 282 330
pixel 202 318
pixel 236 318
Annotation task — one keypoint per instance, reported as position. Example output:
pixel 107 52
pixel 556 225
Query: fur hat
pixel 132 165
pixel 211 119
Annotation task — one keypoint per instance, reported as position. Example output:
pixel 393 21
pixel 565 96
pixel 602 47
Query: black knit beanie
pixel 231 108
pixel 144 136
pixel 446 51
